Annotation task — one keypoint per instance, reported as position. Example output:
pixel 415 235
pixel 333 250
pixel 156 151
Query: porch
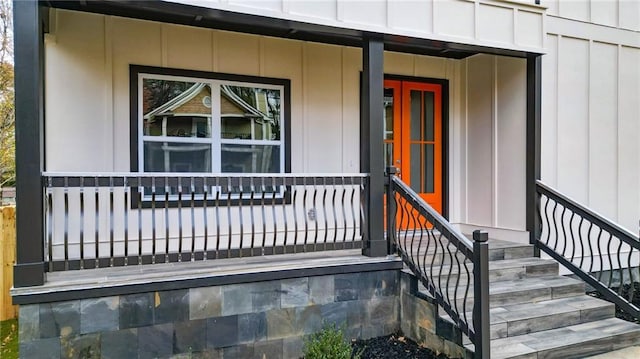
pixel 124 206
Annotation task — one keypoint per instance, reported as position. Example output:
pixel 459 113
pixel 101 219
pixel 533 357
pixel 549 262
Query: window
pixel 200 122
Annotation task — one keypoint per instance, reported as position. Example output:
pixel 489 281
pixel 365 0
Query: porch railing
pixel 95 220
pixel 453 269
pixel 600 252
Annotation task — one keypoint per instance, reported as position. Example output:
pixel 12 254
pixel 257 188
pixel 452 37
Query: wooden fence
pixel 7 260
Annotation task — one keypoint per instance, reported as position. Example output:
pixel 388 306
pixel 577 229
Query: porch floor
pixel 72 284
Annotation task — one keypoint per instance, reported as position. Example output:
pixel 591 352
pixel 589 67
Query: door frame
pixel 445 131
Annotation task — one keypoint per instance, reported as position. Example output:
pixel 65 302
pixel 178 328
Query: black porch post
pixel 534 108
pixel 29 95
pixel 371 146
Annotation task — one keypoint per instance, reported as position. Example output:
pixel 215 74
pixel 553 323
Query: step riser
pixel 592 347
pixel 538 324
pixel 436 255
pixel 527 296
pixel 496 275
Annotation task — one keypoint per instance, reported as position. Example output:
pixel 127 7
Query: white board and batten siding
pixel 590 105
pixel 510 24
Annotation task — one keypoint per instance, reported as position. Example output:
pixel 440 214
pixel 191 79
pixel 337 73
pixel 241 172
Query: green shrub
pixel 328 343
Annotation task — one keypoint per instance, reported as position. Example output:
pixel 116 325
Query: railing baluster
pixel 284 215
pixel 230 222
pixel 97 222
pixel 153 220
pixel 167 193
pixel 126 221
pixel 66 223
pixel 179 222
pixel 111 222
pixel 50 227
pixel 241 190
pixel 81 222
pixel 217 207
pixel 324 211
pixel 344 212
pixel 140 195
pixel 263 194
pixel 192 188
pixel 251 210
pixel 294 197
pixel 205 219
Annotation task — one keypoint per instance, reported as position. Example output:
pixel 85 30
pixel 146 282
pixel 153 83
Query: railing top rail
pixel 198 175
pixel 607 224
pixel 441 221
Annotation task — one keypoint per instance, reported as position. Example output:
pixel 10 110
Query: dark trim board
pixel 534 114
pixel 29 23
pixel 105 290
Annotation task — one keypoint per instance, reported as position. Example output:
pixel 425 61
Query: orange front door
pixel 413 136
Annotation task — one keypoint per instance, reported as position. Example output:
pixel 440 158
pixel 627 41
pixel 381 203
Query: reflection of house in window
pixel 181 132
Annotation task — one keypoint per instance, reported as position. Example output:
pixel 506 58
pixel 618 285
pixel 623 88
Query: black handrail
pixel 599 251
pixel 453 269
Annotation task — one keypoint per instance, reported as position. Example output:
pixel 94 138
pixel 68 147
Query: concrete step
pixel 519 319
pixel 574 341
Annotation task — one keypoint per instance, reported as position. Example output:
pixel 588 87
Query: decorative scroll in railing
pixel 106 220
pixel 451 267
pixel 605 255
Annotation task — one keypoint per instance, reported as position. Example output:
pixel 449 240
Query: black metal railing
pixel 600 252
pixel 106 220
pixel 453 269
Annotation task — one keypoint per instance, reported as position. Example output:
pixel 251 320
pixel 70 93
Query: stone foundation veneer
pixel 252 320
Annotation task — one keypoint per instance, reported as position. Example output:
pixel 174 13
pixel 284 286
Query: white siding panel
pixel 352 66
pixel 573 116
pixel 628 135
pixel 511 139
pixel 552 6
pixel 76 96
pixel 283 59
pixel 134 42
pixel 399 64
pixel 603 129
pixel 238 53
pixel 528 29
pixel 574 9
pixel 604 12
pixel 549 140
pixel 495 23
pixel 454 18
pixel 480 77
pixel 411 15
pixel 323 119
pixel 273 5
pixel 434 67
pixel 629 11
pixel 188 47
pixel 323 9
pixel 370 12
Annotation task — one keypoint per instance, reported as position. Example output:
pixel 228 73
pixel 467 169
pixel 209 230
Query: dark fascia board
pixel 190 15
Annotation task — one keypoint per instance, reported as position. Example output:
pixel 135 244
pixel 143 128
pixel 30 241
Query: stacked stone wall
pixel 252 320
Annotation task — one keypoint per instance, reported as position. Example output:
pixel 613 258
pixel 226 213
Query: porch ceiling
pixel 169 12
